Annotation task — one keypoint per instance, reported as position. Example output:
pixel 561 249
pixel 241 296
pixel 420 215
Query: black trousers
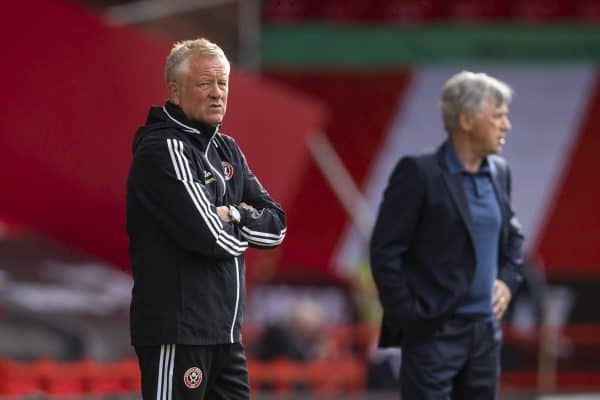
pixel 460 360
pixel 179 372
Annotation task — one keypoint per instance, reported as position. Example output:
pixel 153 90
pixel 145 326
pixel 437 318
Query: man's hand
pixel 223 212
pixel 246 206
pixel 501 298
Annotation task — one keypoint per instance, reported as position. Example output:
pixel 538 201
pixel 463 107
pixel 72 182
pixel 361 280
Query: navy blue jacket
pixel 422 252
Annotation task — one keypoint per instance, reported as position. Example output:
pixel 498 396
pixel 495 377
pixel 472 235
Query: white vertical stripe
pixel 160 372
pixel 237 296
pixel 545 128
pixel 173 159
pixel 172 365
pixel 186 173
pixel 165 374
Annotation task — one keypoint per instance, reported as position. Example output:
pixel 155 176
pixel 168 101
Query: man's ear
pixel 174 93
pixel 465 121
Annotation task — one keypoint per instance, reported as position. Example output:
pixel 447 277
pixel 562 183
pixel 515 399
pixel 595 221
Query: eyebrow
pixel 211 76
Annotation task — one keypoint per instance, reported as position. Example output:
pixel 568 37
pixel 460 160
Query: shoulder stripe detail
pixel 228 242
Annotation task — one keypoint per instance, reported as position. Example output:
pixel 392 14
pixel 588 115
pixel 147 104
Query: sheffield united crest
pixel 193 377
pixel 227 170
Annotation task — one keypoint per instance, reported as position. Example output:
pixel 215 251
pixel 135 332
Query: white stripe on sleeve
pixel 263 238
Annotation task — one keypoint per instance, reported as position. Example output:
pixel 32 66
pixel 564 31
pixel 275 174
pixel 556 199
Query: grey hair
pixel 467 92
pixel 182 51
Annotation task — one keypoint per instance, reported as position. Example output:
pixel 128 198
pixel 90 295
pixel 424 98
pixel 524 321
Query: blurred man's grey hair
pixel 181 52
pixel 467 92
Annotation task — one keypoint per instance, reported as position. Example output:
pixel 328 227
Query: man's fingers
pixel 223 212
pixel 500 303
pixel 246 206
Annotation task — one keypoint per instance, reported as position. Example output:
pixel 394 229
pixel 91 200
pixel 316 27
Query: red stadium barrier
pixel 345 373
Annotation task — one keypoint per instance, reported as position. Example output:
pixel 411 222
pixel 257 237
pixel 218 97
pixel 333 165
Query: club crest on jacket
pixel 227 170
pixel 192 377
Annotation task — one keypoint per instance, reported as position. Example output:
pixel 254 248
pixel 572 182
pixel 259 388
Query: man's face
pixel 488 130
pixel 201 90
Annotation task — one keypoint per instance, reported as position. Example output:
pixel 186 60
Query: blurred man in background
pixel 446 249
pixel 301 337
pixel 193 208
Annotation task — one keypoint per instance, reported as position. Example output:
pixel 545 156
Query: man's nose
pixel 215 91
pixel 507 125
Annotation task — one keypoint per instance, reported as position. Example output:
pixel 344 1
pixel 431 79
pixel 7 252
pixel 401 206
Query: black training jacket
pixel 188 265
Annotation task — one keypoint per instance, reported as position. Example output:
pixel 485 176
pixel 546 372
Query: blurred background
pixel 325 96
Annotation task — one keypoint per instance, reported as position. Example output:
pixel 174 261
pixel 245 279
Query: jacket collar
pixel 454 185
pixel 178 117
pixel 172 116
pixel 448 157
pixel 440 155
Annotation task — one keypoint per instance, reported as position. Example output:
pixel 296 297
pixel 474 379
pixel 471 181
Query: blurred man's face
pixel 488 130
pixel 202 90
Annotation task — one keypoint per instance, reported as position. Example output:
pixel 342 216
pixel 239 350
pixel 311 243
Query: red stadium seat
pixel 18 380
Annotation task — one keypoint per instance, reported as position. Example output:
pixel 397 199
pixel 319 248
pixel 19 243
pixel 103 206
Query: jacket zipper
pixel 214 170
pixel 212 167
pixel 237 297
pixel 237 267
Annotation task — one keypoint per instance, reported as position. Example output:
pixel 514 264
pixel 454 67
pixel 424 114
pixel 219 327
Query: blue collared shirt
pixel 486 220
